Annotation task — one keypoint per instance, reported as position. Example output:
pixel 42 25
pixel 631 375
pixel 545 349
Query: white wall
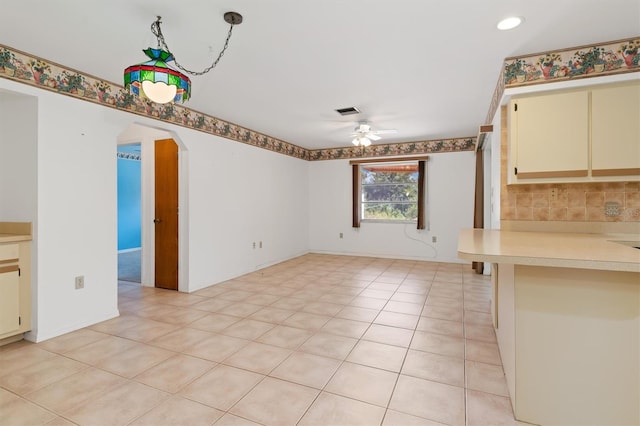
pixel 18 141
pixel 236 194
pixel 77 215
pixel 450 192
pixel 240 194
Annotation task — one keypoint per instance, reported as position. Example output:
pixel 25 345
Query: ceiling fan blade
pixel 373 137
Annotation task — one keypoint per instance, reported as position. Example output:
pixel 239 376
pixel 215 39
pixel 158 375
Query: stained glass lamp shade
pixel 156 81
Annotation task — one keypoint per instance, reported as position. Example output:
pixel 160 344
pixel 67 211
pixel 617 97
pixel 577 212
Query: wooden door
pixel 166 214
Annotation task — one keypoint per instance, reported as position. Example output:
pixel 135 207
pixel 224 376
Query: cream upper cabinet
pixel 589 134
pixel 551 135
pixel 615 130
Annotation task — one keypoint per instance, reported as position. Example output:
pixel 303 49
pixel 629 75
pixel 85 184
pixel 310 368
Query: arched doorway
pixel 151 191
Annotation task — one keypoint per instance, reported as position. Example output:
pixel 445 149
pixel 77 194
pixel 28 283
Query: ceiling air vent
pixel 348 111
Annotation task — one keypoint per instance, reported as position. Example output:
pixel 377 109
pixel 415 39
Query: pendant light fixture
pixel 156 80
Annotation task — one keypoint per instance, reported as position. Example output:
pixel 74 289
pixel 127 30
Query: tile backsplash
pixel 578 202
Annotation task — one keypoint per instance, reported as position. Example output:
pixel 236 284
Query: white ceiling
pixel 427 68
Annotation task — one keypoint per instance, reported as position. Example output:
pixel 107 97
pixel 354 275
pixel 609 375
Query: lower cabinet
pixel 15 290
pixel 570 344
pixel 506 325
pixel 9 299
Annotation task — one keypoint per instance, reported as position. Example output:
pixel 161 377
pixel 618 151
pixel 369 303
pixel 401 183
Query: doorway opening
pixel 129 213
pixel 163 233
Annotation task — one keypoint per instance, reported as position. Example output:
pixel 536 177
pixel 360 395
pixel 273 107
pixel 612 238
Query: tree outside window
pixel 389 192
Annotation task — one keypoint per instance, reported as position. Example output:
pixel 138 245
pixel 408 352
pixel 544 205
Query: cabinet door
pixel 615 131
pixel 551 135
pixel 9 299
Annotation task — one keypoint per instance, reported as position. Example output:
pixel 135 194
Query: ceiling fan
pixel 363 135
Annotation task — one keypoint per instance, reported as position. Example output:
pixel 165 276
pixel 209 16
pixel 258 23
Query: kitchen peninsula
pixel 566 310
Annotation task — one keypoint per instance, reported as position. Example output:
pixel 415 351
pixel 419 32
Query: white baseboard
pixel 38 336
pixel 392 256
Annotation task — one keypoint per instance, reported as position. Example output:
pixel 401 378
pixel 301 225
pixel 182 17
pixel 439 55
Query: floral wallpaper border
pixel 420 147
pixel 586 61
pixel 129 156
pixel 25 68
pixel 35 71
pixel 612 57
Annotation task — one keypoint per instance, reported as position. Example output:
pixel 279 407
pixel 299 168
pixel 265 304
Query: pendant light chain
pixel 155 29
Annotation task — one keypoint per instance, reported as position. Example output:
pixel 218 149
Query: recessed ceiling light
pixel 510 23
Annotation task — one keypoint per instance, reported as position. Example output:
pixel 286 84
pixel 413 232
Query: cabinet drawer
pixel 9 253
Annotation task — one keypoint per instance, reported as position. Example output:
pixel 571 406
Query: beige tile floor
pixel 317 340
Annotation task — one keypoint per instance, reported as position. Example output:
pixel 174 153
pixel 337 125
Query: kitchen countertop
pixel 566 250
pixel 11 232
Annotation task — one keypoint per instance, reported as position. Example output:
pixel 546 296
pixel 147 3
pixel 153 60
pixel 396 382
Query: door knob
pixel 157 220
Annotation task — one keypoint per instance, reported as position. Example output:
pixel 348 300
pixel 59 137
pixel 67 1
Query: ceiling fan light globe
pixel 361 141
pixel 364 141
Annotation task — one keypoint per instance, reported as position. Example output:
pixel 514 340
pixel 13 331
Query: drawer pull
pixel 6 269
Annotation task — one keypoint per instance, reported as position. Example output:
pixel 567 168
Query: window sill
pixel 396 222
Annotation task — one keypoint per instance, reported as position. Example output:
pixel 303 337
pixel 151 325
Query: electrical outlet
pixel 341 235
pixel 434 239
pixel 260 244
pixel 611 209
pixel 554 194
pixel 79 282
pixel 254 244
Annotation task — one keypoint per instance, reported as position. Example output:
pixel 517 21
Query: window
pixel 389 191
